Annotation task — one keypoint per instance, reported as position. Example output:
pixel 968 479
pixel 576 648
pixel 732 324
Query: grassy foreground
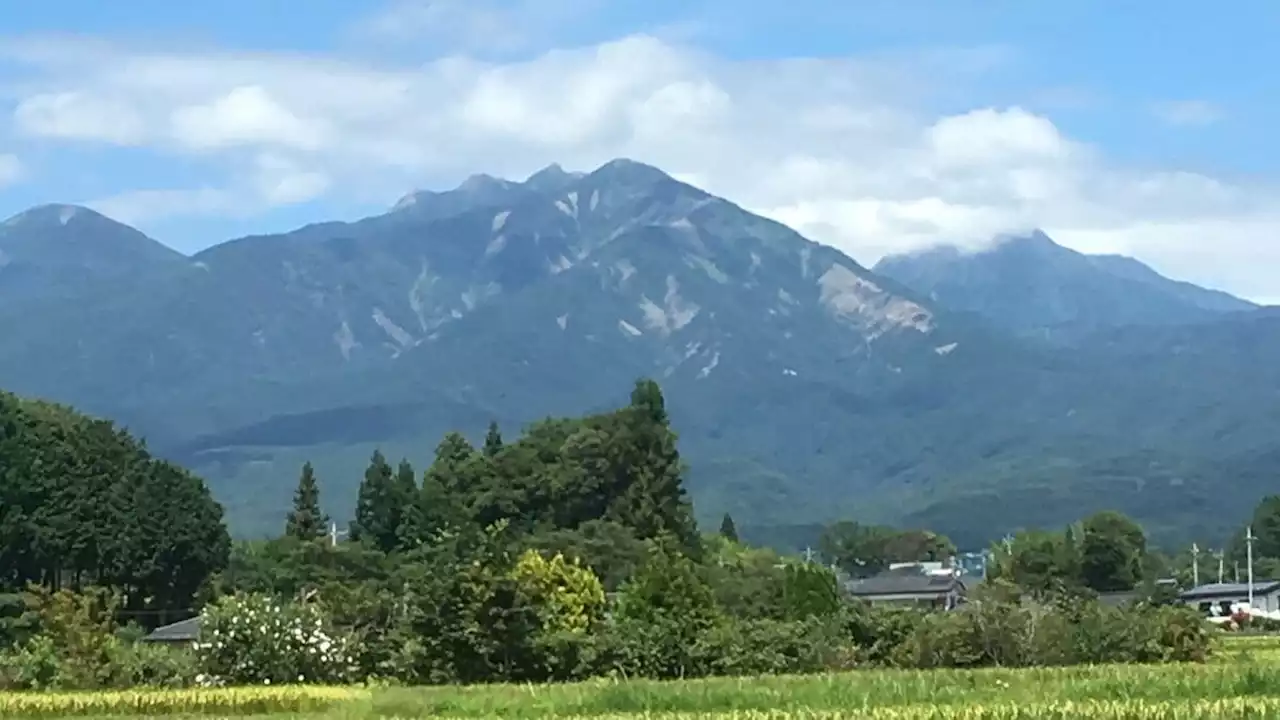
pixel 1243 682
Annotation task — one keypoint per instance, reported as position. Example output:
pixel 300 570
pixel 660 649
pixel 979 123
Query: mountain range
pixel 970 392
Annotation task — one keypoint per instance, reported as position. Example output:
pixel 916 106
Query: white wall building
pixel 1218 598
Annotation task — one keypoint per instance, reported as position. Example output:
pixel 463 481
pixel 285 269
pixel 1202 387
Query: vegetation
pixel 1242 685
pixel 570 554
pixel 83 504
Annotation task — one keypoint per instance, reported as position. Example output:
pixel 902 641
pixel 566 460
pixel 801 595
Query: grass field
pixel 1242 682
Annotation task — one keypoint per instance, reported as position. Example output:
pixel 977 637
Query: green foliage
pixel 992 632
pixel 306 521
pixel 377 507
pixel 728 530
pixel 661 619
pixel 82 503
pixel 809 591
pixel 1111 552
pixel 569 597
pixel 1106 552
pixel 492 441
pixel 75 646
pixel 256 639
pixel 865 550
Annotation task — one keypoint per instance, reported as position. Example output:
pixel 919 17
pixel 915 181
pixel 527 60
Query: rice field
pixel 1242 682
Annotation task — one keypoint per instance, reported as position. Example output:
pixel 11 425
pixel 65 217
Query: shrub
pixel 140 664
pixel 255 639
pixel 773 647
pixel 1069 631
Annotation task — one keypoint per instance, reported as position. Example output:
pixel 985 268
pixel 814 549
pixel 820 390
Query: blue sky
pixel 874 126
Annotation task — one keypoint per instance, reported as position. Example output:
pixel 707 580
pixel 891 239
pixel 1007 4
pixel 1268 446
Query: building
pixel 940 588
pixel 185 632
pixel 1218 598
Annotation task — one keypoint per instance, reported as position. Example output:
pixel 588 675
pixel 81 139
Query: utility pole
pixel 333 533
pixel 1194 565
pixel 1222 555
pixel 1248 544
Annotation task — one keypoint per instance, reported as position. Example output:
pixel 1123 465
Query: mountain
pixel 805 387
pixel 55 250
pixel 1034 287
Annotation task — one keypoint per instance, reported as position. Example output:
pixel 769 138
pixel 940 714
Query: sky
pixel 874 126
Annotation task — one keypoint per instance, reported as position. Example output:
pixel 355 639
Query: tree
pixel 663 615
pixel 492 440
pixel 305 520
pixel 865 550
pixel 1112 550
pixel 83 503
pixel 407 516
pixel 377 513
pixel 648 472
pixel 727 528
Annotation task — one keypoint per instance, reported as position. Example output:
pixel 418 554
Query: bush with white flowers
pixel 259 640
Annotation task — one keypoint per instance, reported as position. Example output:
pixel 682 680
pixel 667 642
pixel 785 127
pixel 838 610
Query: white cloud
pixel 10 169
pixel 1187 112
pixel 847 149
pixel 245 116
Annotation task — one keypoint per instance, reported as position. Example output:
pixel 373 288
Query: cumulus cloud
pixel 847 150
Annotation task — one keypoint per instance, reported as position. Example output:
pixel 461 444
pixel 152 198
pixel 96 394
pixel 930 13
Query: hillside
pixel 1036 288
pixel 804 386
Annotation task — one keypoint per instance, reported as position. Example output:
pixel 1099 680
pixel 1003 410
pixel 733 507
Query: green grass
pixel 1242 681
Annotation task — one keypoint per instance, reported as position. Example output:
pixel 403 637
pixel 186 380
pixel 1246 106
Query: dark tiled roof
pixel 892 583
pixel 186 630
pixel 1260 587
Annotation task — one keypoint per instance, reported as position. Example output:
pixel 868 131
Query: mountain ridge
pixel 805 385
pixel 1032 286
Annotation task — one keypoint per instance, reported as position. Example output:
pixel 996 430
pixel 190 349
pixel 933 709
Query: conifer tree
pixel 408 520
pixel 655 502
pixel 727 529
pixel 376 512
pixel 306 521
pixel 492 440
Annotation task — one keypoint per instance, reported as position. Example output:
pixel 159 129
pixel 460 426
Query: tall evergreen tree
pixel 376 512
pixel 408 523
pixel 654 502
pixel 306 521
pixel 492 440
pixel 727 529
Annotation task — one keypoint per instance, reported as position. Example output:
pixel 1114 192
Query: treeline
pixel 83 504
pixel 566 553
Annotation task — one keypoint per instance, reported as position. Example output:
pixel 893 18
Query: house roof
pixel 905 583
pixel 1260 587
pixel 186 630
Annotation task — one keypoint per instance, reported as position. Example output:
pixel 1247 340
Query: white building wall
pixel 1269 602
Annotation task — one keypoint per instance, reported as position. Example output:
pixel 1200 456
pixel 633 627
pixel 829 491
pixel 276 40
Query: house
pixel 916 585
pixel 1218 598
pixel 185 632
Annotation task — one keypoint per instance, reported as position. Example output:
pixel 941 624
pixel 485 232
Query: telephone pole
pixel 1248 544
pixel 1195 565
pixel 334 533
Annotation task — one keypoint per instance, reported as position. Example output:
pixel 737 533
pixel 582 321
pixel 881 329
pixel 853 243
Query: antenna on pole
pixel 1248 544
pixel 1195 565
